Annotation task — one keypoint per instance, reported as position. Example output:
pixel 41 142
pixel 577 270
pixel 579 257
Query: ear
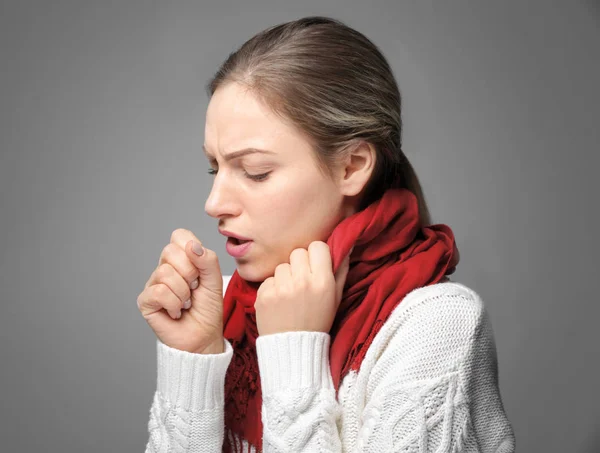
pixel 356 168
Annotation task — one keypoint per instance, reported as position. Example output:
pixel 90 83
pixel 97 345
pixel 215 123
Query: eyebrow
pixel 237 154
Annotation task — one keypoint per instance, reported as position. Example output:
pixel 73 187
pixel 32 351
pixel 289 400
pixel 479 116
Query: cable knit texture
pixel 428 383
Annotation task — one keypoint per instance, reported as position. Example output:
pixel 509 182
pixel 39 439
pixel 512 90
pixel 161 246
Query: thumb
pixel 207 263
pixel 340 277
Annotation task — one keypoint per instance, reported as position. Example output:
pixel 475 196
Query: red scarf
pixel 393 254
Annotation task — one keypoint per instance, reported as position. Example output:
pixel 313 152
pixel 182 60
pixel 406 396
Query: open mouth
pixel 237 241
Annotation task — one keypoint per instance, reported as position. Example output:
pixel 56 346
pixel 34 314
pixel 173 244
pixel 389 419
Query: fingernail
pixel 195 284
pixel 187 304
pixel 197 248
pixel 178 315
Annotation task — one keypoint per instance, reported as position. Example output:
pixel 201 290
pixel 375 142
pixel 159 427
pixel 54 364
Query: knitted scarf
pixel 393 255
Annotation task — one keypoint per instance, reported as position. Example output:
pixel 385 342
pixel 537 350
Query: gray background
pixel 102 120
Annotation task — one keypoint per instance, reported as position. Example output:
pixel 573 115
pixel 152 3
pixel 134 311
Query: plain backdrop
pixel 102 109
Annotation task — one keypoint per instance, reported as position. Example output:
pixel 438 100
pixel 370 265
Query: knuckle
pixel 265 287
pixel 164 271
pixel 298 253
pixel 169 249
pixel 190 275
pixel 167 253
pixel 181 290
pixel 164 297
pixel 172 256
pixel 265 299
pixel 318 246
pixel 161 292
pixel 282 266
pixel 178 233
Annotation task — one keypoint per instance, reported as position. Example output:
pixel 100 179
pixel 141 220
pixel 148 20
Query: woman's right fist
pixel 183 298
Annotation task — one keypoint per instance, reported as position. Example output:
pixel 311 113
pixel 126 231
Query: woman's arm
pixel 187 410
pixel 299 410
pixel 431 385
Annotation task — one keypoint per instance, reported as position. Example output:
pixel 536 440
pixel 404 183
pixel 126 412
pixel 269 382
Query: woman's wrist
pixel 217 347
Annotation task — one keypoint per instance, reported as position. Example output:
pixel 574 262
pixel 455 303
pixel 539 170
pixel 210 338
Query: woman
pixel 339 330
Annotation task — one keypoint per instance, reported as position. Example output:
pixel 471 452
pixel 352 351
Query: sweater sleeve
pixel 187 409
pixel 299 410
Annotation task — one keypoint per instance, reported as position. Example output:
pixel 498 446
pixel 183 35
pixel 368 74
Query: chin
pixel 252 273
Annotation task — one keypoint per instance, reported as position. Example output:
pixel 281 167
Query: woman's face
pixel 278 198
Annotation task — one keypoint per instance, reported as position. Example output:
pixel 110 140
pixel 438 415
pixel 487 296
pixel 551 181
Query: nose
pixel 221 201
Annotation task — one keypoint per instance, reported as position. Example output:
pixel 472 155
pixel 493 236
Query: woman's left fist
pixel 303 295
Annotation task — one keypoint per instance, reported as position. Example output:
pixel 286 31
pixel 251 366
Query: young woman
pixel 339 329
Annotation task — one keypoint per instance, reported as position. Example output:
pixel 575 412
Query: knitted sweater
pixel 428 383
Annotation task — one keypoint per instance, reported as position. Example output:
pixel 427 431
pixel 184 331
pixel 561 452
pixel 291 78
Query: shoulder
pixel 439 300
pixel 444 308
pixel 431 332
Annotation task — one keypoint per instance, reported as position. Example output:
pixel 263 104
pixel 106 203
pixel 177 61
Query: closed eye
pixel 257 178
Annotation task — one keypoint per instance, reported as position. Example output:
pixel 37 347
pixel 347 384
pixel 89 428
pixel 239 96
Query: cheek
pixel 298 214
pixel 278 207
pixel 291 214
pixel 294 202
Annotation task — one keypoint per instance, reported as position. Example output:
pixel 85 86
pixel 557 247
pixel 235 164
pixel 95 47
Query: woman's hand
pixel 303 295
pixel 183 299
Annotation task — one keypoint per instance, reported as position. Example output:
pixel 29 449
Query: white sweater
pixel 428 383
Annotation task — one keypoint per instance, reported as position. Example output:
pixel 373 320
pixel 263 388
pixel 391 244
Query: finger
pixel 267 284
pixel 319 257
pixel 167 275
pixel 181 237
pixel 207 264
pixel 299 264
pixel 174 255
pixel 208 267
pixel 283 276
pixel 159 296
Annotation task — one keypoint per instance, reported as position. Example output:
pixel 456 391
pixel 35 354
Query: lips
pixel 235 236
pixel 237 249
pixel 236 245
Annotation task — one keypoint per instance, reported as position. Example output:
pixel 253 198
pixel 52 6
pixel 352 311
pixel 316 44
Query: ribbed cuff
pixel 294 360
pixel 192 381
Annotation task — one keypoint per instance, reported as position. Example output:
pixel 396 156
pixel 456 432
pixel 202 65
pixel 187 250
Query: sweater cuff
pixel 191 381
pixel 294 360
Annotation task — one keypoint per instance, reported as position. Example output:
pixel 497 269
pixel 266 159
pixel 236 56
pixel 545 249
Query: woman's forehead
pixel 236 119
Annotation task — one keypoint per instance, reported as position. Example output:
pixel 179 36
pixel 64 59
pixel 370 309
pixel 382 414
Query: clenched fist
pixel 183 299
pixel 303 295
